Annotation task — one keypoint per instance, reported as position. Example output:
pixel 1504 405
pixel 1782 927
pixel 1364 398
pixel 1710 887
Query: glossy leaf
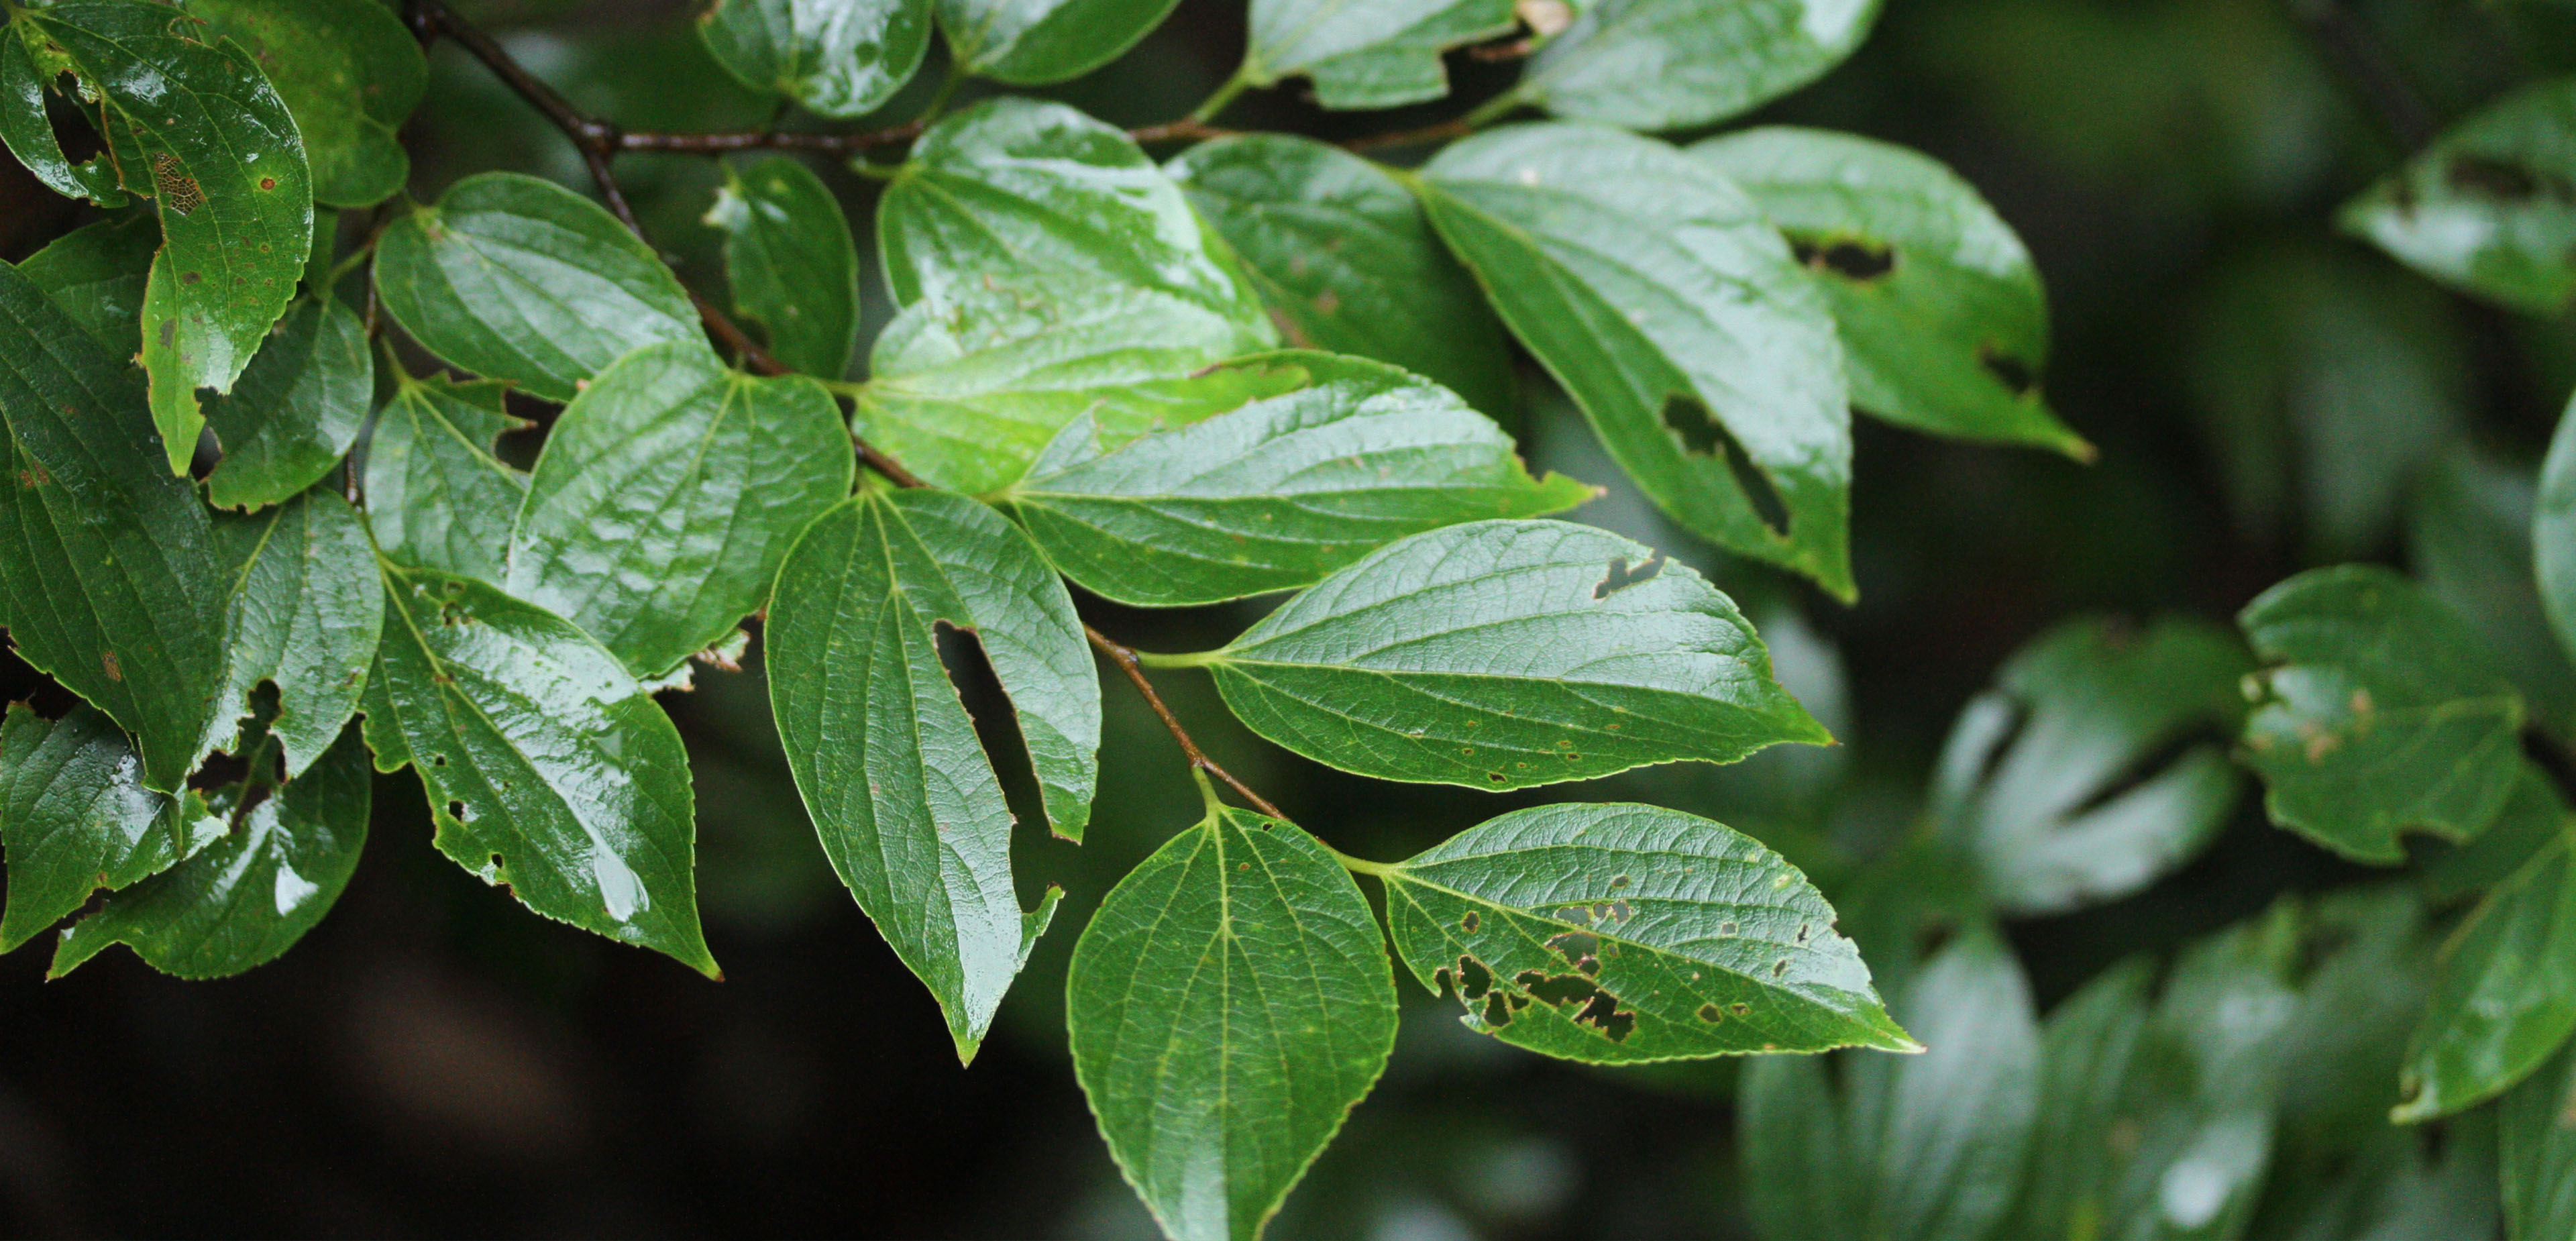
pixel 1367 55
pixel 1505 654
pixel 1346 262
pixel 1278 493
pixel 549 769
pixel 75 817
pixel 2381 712
pixel 792 263
pixel 108 560
pixel 666 497
pixel 908 807
pixel 348 71
pixel 2505 996
pixel 436 496
pixel 1037 42
pixel 835 57
pixel 1671 64
pixel 1616 933
pixel 2042 779
pixel 1943 321
pixel 1657 295
pixel 2539 1138
pixel 248 897
pixel 96 274
pixel 2469 541
pixel 1228 1005
pixel 29 132
pixel 515 278
pixel 297 410
pixel 307 607
pixel 2490 206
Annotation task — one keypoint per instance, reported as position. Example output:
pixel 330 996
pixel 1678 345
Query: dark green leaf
pixel 2553 535
pixel 2469 539
pixel 307 607
pixel 666 497
pixel 248 897
pixel 1278 493
pixel 1036 42
pixel 2042 779
pixel 548 767
pixel 436 496
pixel 1228 1005
pixel 29 132
pixel 1653 289
pixel 907 805
pixel 96 274
pixel 1670 64
pixel 1797 1176
pixel 2533 816
pixel 108 559
pixel 1367 54
pixel 76 817
pixel 1346 262
pixel 793 265
pixel 836 57
pixel 2539 1139
pixel 298 408
pixel 2505 997
pixel 1615 933
pixel 2087 1048
pixel 2381 712
pixel 515 278
pixel 1505 654
pixel 1944 325
pixel 2489 207
pixel 349 72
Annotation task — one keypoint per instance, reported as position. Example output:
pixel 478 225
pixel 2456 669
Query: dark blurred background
pixel 2265 395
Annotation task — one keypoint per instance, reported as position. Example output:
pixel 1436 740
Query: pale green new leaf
pixel 666 497
pixel 1037 42
pixel 75 817
pixel 297 409
pixel 1616 933
pixel 1278 493
pixel 2504 998
pixel 2539 1139
pixel 549 768
pixel 907 805
pixel 348 71
pixel 835 57
pixel 1671 64
pixel 307 607
pixel 2490 206
pixel 1346 262
pixel 2381 711
pixel 1228 1005
pixel 1943 321
pixel 515 278
pixel 96 274
pixel 792 263
pixel 1656 293
pixel 1505 654
pixel 1366 53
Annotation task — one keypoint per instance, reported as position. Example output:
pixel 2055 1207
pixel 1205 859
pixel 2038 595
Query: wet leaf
pixel 1037 42
pixel 836 57
pixel 436 496
pixel 792 263
pixel 2490 206
pixel 2504 998
pixel 1367 55
pixel 1671 64
pixel 307 608
pixel 96 274
pixel 348 71
pixel 29 132
pixel 75 817
pixel 297 409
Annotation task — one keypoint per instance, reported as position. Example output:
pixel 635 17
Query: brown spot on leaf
pixel 107 660
pixel 178 190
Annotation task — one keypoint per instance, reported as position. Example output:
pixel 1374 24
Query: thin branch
pixel 1442 132
pixel 1186 130
pixel 772 140
pixel 2366 67
pixel 1125 658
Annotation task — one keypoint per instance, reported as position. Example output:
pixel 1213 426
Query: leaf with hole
pixel 436 496
pixel 297 409
pixel 1366 55
pixel 1673 64
pixel 2504 998
pixel 75 817
pixel 1038 42
pixel 792 263
pixel 307 608
pixel 28 131
pixel 350 74
pixel 838 58
pixel 2490 207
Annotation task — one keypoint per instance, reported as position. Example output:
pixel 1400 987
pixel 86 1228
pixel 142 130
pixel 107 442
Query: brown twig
pixel 1441 132
pixel 1125 658
pixel 771 140
pixel 1178 131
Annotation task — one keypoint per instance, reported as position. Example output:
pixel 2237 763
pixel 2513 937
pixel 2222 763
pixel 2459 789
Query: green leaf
pixel 220 153
pixel 436 496
pixel 2044 782
pixel 1038 42
pixel 549 769
pixel 1615 933
pixel 515 278
pixel 1278 493
pixel 2505 996
pixel 1228 1005
pixel 108 560
pixel 1366 55
pixel 2539 1138
pixel 29 132
pixel 906 803
pixel 1346 262
pixel 1655 292
pixel 2087 1048
pixel 2533 817
pixel 666 497
pixel 1797 1176
pixel 307 608
pixel 248 897
pixel 349 72
pixel 2553 535
pixel 76 817
pixel 2381 712
pixel 297 410
pixel 96 274
pixel 836 57
pixel 2490 206
pixel 792 263
pixel 1944 324
pixel 1505 654
pixel 2469 540
pixel 1673 64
